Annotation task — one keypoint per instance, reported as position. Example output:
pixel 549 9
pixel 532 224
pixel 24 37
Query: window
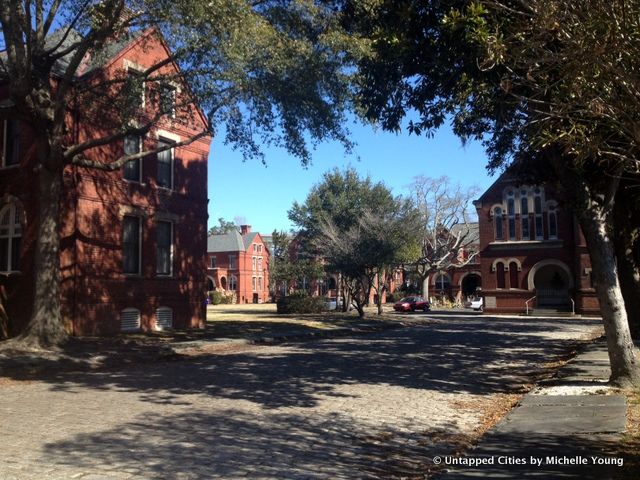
pixel 10 137
pixel 511 213
pixel 553 222
pixel 134 88
pixel 513 275
pixel 131 245
pixel 524 213
pixel 213 262
pixel 168 95
pixel 497 215
pixel 10 237
pixel 537 209
pixel 255 248
pixel 500 275
pixel 442 282
pixel 232 263
pixel 164 245
pixel 259 264
pixel 132 145
pixel 254 263
pixel 259 284
pixel 233 282
pixel 259 248
pixel 165 165
pixel 254 283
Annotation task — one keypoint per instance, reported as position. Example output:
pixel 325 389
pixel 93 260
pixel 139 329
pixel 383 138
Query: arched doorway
pixel 552 282
pixel 470 284
pixel 223 283
pixel 211 284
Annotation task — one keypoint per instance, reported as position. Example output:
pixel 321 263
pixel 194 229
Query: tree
pixel 539 82
pixel 357 226
pixel 224 226
pixel 447 237
pixel 269 71
pixel 289 265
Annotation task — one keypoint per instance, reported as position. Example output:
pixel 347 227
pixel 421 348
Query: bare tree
pixel 448 236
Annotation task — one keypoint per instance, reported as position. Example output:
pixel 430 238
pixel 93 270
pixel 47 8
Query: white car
pixel 477 304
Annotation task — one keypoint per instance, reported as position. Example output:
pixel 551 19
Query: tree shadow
pixel 233 443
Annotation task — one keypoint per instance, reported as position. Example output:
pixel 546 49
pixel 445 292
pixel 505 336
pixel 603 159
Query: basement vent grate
pixel 164 318
pixel 130 320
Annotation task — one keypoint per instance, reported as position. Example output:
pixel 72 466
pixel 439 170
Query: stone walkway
pixel 568 428
pixel 371 406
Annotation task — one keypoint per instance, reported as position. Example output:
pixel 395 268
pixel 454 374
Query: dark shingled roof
pixel 474 231
pixel 226 242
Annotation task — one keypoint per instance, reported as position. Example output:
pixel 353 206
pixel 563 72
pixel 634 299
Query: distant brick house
pixel 238 265
pixel 133 241
pixel 532 251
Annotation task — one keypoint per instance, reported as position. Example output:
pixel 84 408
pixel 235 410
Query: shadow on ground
pixel 468 356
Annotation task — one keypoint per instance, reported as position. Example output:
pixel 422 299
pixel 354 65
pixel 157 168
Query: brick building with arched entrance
pixel 533 254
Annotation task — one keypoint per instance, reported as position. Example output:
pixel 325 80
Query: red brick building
pixel 133 241
pixel 532 252
pixel 238 265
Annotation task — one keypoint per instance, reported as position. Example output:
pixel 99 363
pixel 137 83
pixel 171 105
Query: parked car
pixel 332 303
pixel 477 304
pixel 411 304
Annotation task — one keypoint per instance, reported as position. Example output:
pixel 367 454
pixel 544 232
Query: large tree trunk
pixel 45 328
pixel 596 219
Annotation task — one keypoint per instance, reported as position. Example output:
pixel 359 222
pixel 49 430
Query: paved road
pixel 371 406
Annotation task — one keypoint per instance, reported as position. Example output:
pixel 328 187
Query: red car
pixel 411 304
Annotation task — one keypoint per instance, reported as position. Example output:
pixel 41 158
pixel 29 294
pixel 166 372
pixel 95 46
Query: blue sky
pixel 262 195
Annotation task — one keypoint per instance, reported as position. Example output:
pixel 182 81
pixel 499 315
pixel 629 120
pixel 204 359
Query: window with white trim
pixel 131 245
pixel 233 282
pixel 134 88
pixel 524 215
pixel 537 210
pixel 254 263
pixel 233 264
pixel 259 264
pixel 10 238
pixel 165 162
pixel 552 217
pixel 10 137
pixel 497 218
pixel 164 248
pixel 213 262
pixel 132 169
pixel 168 99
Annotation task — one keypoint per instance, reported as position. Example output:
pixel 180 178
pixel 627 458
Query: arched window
pixel 553 221
pixel 511 214
pixel 233 282
pixel 500 275
pixel 10 237
pixel 537 209
pixel 513 275
pixel 524 215
pixel 442 282
pixel 497 217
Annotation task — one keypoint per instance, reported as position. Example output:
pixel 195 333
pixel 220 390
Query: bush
pixel 300 303
pixel 218 297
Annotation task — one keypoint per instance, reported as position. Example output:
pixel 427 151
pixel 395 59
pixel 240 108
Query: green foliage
pixel 224 226
pixel 300 302
pixel 289 264
pixel 218 298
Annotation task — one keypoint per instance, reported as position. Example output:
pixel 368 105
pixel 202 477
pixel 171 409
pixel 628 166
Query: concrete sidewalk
pixel 569 427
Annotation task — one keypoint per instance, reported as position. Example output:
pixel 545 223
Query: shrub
pixel 218 297
pixel 300 303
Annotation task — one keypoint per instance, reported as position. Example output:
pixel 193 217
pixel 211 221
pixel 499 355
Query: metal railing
pixel 526 304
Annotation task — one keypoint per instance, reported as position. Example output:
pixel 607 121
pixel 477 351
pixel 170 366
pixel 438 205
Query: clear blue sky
pixel 262 195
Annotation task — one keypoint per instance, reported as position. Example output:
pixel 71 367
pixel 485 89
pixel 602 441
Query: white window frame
pixel 254 284
pixel 171 248
pixel 140 142
pixel 168 137
pixel 260 266
pixel 173 86
pixel 212 262
pixel 14 219
pixel 254 263
pixel 233 262
pixel 138 69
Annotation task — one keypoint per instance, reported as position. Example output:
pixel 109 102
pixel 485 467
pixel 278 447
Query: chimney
pixel 245 229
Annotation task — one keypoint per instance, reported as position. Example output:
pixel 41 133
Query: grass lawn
pixel 256 319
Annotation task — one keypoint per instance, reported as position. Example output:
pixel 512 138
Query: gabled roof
pixel 248 239
pixel 226 242
pixel 474 231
